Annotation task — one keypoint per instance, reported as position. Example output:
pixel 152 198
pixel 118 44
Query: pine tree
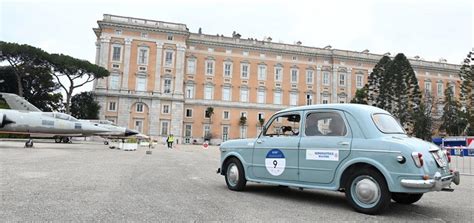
pixel 451 119
pixel 423 118
pixel 403 91
pixel 360 96
pixel 376 91
pixel 466 74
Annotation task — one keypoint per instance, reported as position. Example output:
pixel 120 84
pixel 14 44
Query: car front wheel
pixel 234 175
pixel 367 192
pixel 404 198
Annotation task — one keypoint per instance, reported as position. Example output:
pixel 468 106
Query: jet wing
pixel 16 102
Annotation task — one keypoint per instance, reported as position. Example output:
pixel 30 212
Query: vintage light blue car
pixel 358 149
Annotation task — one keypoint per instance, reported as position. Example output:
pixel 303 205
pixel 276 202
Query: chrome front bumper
pixel 435 184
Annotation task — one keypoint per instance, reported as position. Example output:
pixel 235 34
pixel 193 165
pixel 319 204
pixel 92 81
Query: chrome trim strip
pixel 377 151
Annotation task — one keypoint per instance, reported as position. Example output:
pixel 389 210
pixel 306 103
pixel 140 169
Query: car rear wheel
pixel 404 198
pixel 234 175
pixel 367 192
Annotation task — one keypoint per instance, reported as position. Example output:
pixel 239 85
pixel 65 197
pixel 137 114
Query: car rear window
pixel 387 123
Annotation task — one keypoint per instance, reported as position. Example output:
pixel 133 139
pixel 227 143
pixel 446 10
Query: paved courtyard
pixel 86 181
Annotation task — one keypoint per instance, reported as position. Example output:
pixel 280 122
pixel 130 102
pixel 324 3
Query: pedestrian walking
pixel 170 141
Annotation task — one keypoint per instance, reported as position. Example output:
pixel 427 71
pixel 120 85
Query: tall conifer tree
pixel 376 92
pixel 451 119
pixel 467 91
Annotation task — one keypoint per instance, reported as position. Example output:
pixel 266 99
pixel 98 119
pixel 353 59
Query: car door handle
pixel 259 141
pixel 343 143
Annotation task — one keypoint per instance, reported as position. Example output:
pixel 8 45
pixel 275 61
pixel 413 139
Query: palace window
pixel 277 98
pixel 309 77
pixel 325 78
pixel 226 115
pixel 209 67
pixel 244 95
pixel 166 109
pixel 293 99
pixel 143 56
pixel 164 128
pixel 191 68
pixel 114 82
pixel 244 71
pixel 342 79
pixel 227 69
pixel 112 106
pixel 139 107
pixel 278 74
pixel 294 75
pixel 309 99
pixel 359 81
pixel 189 113
pixel 167 86
pixel 116 53
pixel 208 92
pixel 262 72
pixel 141 83
pixel 440 89
pixel 168 58
pixel 261 96
pixel 189 91
pixel 226 93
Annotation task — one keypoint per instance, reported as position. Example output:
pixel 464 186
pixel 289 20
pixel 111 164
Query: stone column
pixel 177 120
pixel 101 100
pixel 349 85
pixel 97 60
pixel 124 109
pixel 154 117
pixel 318 85
pixel 97 52
pixel 334 85
pixel 104 59
pixel 126 63
pixel 159 56
pixel 179 74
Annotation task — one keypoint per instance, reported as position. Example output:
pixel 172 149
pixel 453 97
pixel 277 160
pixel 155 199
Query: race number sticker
pixel 328 155
pixel 275 162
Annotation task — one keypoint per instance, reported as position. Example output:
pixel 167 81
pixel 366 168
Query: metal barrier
pixel 462 159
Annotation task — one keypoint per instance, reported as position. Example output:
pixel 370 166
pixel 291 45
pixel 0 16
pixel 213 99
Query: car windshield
pixel 387 124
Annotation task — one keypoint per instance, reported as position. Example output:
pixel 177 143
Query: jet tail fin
pixel 16 102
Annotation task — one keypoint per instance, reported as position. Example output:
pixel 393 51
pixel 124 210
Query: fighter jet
pixel 115 132
pixel 25 118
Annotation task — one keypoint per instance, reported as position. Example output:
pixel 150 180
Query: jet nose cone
pixel 130 132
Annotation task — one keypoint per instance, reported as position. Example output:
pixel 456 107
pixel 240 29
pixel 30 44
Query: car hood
pixel 240 143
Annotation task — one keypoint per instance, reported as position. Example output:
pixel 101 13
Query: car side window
pixel 284 125
pixel 325 124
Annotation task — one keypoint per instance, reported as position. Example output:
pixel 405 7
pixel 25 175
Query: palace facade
pixel 164 78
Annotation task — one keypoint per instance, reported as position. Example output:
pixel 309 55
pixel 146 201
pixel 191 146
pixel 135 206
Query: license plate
pixel 438 157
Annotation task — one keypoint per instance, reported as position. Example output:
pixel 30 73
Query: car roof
pixel 351 108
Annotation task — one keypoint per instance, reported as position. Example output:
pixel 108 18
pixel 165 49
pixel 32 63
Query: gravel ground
pixel 86 181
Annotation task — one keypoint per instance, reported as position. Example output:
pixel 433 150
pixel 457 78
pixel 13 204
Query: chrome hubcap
pixel 232 174
pixel 366 191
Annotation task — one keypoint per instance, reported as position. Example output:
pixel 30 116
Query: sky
pixel 431 29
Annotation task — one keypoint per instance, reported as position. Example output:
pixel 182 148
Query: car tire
pixel 367 192
pixel 404 198
pixel 235 175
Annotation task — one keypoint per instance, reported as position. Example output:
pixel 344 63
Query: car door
pixel 325 142
pixel 275 154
